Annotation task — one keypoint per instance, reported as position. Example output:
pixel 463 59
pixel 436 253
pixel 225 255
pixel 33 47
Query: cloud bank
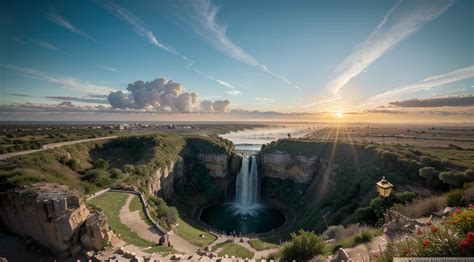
pixel 450 101
pixel 164 96
pixel 403 20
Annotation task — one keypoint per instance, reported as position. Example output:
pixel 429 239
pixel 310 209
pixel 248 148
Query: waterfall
pixel 246 193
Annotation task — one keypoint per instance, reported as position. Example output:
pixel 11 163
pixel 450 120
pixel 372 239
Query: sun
pixel 339 115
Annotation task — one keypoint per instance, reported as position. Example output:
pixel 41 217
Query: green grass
pixel 135 205
pixel 261 245
pixel 462 157
pixel 111 203
pixel 192 234
pixel 233 249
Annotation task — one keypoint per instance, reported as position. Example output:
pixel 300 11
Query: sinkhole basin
pixel 229 217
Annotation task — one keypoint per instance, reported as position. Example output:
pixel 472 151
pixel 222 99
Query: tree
pixel 99 177
pixel 457 178
pixel 303 246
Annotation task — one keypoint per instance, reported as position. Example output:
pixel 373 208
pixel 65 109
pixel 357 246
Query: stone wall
pixel 55 217
pixel 283 165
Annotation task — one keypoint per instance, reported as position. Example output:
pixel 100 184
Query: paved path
pixel 53 145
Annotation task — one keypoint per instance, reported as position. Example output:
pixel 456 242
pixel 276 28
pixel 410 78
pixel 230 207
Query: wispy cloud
pixel 323 101
pixel 65 82
pixel 79 99
pixel 221 82
pixel 106 68
pixel 428 83
pixel 450 101
pixel 63 22
pixel 44 44
pixel 139 27
pixel 404 19
pixel 204 24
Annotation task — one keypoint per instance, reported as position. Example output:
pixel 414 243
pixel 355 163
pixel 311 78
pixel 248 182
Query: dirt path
pixel 54 145
pixel 133 220
pixel 362 252
pixel 136 223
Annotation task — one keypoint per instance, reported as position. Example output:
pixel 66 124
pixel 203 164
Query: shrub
pixel 73 164
pixel 143 170
pixel 128 169
pixel 100 164
pixel 454 197
pixel 116 173
pixel 333 232
pixel 429 173
pixel 99 177
pixel 457 178
pixel 454 237
pixel 425 207
pixel 165 214
pixel 303 246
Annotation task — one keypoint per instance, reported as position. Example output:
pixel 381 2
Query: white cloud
pixel 233 92
pixel 203 22
pixel 106 68
pixel 428 83
pixel 400 22
pixel 65 82
pixel 226 84
pixel 63 22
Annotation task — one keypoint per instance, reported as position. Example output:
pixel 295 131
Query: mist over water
pixel 251 140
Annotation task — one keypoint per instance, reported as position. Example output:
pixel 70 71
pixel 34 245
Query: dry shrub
pixel 425 206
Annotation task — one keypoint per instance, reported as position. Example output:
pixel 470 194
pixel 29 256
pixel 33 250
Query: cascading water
pixel 246 193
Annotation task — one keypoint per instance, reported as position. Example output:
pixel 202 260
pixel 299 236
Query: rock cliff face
pixel 222 168
pixel 283 165
pixel 162 181
pixel 218 165
pixel 55 217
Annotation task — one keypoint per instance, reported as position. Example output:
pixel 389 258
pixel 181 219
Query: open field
pixel 397 134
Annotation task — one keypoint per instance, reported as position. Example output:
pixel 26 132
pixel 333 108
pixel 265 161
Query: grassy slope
pixel 233 249
pixel 111 203
pixel 192 234
pixel 358 168
pixel 261 245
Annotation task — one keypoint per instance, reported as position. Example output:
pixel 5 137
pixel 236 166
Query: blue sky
pixel 284 56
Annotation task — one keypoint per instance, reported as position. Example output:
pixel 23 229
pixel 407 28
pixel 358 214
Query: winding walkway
pixel 133 220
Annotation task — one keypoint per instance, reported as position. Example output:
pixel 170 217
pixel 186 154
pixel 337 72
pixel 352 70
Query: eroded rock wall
pixel 55 217
pixel 283 166
pixel 162 181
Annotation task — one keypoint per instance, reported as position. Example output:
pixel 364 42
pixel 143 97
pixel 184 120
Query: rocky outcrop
pixel 55 217
pixel 283 165
pixel 217 164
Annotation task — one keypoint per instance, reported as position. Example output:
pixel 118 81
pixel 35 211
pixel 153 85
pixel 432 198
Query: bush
pixel 424 207
pixel 128 169
pixel 100 164
pixel 116 173
pixel 457 178
pixel 99 177
pixel 165 214
pixel 454 197
pixel 430 174
pixel 333 232
pixel 303 246
pixel 73 164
